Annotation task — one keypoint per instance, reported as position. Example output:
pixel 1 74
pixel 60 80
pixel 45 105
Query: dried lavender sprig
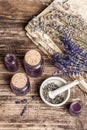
pixel 65 29
pixel 23 110
pixel 23 101
pixel 70 63
pixel 59 33
pixel 18 102
pixel 76 51
pixel 71 17
pixel 65 73
pixel 25 107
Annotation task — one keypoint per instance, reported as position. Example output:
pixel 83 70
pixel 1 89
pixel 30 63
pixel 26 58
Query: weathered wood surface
pixel 14 15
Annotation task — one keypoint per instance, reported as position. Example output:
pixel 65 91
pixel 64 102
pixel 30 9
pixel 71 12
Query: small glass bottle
pixel 75 108
pixel 11 62
pixel 20 84
pixel 33 63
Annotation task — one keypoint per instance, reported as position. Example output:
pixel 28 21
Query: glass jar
pixel 11 62
pixel 33 63
pixel 75 108
pixel 20 84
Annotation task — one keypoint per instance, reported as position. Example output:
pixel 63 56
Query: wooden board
pixel 14 15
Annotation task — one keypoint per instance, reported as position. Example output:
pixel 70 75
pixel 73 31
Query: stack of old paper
pixel 60 17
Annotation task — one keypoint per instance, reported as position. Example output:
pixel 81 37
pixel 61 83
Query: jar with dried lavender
pixel 33 63
pixel 20 84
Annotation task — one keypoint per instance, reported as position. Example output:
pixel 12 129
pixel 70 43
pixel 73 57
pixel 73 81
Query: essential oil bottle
pixel 11 62
pixel 75 108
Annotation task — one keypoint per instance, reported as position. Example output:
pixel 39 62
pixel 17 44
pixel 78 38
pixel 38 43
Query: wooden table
pixel 14 15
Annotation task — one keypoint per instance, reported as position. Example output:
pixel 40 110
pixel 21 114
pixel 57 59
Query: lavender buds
pixel 74 61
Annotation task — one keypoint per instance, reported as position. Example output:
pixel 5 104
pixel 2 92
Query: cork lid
pixel 19 80
pixel 32 57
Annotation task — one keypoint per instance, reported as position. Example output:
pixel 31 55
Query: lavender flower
pixel 74 61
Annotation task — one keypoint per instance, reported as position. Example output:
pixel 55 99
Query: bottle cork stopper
pixel 19 80
pixel 32 57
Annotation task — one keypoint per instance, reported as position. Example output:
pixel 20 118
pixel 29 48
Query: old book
pixel 60 17
pixel 46 29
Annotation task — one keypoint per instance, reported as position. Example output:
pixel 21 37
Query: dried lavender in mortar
pixel 50 87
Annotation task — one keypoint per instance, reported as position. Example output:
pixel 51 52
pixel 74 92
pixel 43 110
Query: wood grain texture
pixel 14 15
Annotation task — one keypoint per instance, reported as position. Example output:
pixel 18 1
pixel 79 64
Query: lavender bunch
pixel 73 61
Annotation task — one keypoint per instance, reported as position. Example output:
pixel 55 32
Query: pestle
pixel 53 94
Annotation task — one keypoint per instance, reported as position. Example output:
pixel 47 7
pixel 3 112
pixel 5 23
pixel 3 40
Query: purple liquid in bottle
pixel 33 63
pixel 75 108
pixel 11 62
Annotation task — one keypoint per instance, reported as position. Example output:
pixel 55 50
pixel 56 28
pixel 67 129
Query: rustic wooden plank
pixel 14 15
